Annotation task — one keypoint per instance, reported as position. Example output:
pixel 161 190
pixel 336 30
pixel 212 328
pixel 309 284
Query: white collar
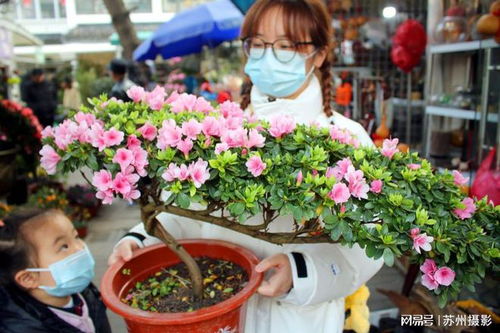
pixel 305 108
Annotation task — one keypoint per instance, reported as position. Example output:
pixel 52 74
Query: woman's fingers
pixel 123 251
pixel 280 280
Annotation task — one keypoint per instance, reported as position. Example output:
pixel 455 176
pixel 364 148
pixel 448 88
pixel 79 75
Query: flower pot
pixel 227 316
pixel 82 231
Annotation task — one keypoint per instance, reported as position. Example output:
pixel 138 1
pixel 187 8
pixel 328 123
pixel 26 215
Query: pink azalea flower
pixel 459 179
pixel 113 137
pixel 444 276
pixel 211 126
pixel 49 159
pixel 202 105
pixel 191 128
pixel 133 194
pixel 124 157
pixel 281 125
pixel 199 172
pixel 389 147
pixel 414 232
pixel 121 183
pixel 171 173
pixel 102 180
pixel 133 142
pixel 341 135
pixel 339 193
pixel 255 139
pixel 235 138
pixel 299 178
pixel 65 133
pixel 47 132
pixel 106 196
pixel 359 189
pixel 429 282
pixel 230 109
pixel 169 135
pixel 422 241
pixel 330 172
pixel 156 98
pixel 185 146
pixel 255 165
pixel 220 147
pixel 414 166
pixel 184 102
pixel 207 142
pixel 428 267
pixel 233 123
pixel 173 96
pixel 156 103
pixel 136 93
pixel 183 172
pixel 468 211
pixel 148 131
pixel 140 161
pixel 376 186
pixel 343 167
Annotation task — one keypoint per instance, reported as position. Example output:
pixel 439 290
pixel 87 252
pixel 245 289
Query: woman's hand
pixel 123 251
pixel 281 280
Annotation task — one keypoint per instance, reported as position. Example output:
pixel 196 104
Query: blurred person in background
pixel 71 94
pixel 118 69
pixel 41 96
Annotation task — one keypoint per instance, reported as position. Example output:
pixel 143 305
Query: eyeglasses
pixel 255 48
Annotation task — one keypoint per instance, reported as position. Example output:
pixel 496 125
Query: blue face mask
pixel 71 274
pixel 275 78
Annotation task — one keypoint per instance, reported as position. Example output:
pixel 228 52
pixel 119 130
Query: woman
pixel 286 43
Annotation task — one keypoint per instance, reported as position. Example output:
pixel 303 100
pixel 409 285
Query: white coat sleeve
pixel 324 272
pixel 179 227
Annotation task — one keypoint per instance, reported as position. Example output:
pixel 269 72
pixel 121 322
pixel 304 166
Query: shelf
pixel 458 113
pixel 403 102
pixel 463 46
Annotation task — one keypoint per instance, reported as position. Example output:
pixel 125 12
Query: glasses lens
pixel 284 50
pixel 254 48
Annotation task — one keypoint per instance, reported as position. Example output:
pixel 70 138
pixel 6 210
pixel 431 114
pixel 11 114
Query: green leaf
pixel 388 257
pixel 237 208
pixel 92 162
pixel 183 200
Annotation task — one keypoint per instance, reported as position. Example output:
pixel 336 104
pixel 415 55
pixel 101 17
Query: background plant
pixel 235 167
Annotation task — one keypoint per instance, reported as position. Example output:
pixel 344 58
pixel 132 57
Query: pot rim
pixel 114 303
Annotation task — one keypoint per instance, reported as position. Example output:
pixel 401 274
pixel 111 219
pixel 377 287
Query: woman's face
pixel 272 28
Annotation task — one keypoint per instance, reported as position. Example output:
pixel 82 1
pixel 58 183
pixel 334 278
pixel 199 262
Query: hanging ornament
pixel 408 45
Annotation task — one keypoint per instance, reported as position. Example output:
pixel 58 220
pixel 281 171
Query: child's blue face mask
pixel 71 274
pixel 275 78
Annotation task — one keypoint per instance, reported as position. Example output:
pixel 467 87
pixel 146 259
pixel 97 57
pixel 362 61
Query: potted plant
pixel 83 197
pixel 20 134
pixel 390 203
pixel 81 227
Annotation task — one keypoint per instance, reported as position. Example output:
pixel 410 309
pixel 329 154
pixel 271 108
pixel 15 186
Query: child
pixel 287 44
pixel 45 277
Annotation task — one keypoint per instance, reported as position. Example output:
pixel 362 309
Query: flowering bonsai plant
pixel 390 203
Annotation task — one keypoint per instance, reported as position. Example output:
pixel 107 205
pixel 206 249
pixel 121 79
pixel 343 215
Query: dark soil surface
pixel 169 290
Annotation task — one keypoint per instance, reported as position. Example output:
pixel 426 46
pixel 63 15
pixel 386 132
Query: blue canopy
pixel 243 5
pixel 187 32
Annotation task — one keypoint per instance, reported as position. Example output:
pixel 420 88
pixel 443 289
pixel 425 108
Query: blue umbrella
pixel 187 32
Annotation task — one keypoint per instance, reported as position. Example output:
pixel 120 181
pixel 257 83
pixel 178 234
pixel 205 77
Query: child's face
pixel 53 241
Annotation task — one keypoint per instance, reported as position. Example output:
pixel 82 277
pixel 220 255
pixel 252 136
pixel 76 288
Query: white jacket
pixel 316 302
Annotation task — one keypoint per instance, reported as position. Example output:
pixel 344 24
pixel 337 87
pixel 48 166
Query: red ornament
pixel 408 45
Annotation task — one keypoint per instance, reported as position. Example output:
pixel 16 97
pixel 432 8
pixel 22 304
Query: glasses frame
pixel 266 44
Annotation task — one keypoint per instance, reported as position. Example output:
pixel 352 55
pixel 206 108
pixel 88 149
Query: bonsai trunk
pixel 155 228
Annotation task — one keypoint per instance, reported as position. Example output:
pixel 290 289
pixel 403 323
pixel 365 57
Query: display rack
pixel 485 49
